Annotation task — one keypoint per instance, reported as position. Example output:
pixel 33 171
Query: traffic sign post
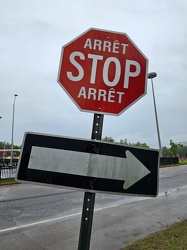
pixel 103 71
pixel 89 198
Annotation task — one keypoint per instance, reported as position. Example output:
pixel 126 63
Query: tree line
pixel 174 149
pixel 6 145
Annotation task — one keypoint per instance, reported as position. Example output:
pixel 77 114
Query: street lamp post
pixel 0 117
pixel 12 140
pixel 151 76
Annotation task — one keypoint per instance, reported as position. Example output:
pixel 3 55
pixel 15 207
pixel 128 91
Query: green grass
pixel 7 181
pixel 172 238
pixel 183 162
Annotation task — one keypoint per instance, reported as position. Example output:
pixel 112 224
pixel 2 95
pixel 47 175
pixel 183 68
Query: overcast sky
pixel 32 34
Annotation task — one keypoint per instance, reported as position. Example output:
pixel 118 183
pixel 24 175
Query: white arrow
pixel 129 169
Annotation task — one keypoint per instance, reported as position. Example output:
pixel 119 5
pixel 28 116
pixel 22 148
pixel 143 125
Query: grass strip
pixel 172 238
pixel 7 181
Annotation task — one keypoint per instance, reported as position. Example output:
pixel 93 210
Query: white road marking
pixel 50 220
pixel 37 223
pixel 79 213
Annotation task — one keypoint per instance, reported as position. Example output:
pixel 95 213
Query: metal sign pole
pixel 89 198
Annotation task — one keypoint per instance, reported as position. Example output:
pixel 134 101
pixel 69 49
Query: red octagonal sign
pixel 103 71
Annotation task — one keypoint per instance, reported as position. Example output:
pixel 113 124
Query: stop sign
pixel 103 71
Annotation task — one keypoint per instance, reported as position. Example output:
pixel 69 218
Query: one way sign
pixel 89 165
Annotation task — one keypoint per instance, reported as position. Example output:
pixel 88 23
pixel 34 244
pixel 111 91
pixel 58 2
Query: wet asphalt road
pixel 37 217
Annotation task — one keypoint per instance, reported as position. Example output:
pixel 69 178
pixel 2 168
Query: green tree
pixel 140 144
pixel 166 152
pixel 137 144
pixel 173 148
pixel 182 151
pixel 123 141
pixel 108 139
pixel 7 145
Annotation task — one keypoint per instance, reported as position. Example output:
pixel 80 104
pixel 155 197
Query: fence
pixel 169 160
pixel 7 172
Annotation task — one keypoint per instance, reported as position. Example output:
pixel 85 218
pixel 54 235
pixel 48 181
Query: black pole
pixel 89 198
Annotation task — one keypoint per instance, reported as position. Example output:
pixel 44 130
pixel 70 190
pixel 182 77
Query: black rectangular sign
pixel 90 165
